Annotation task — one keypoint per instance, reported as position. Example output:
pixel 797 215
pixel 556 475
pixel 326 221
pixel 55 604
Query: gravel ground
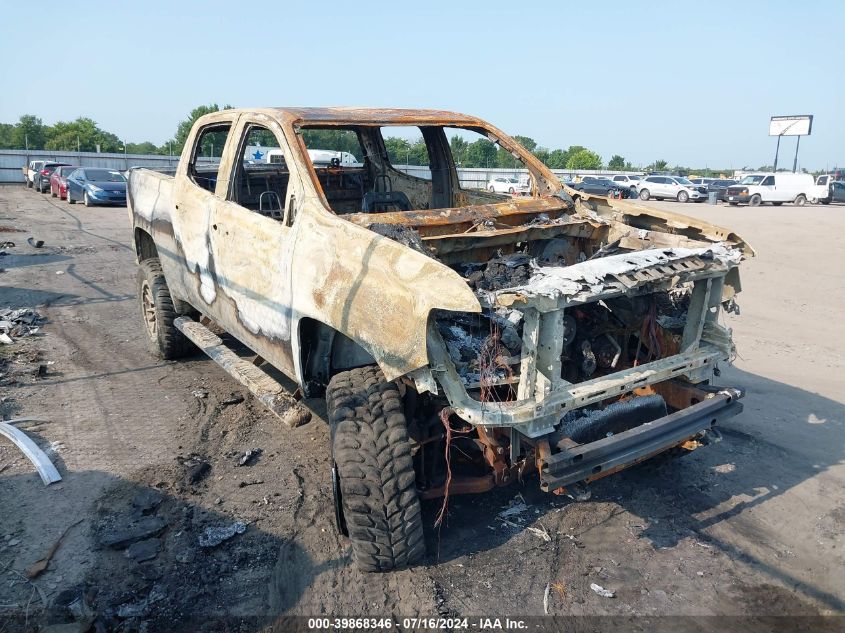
pixel 750 526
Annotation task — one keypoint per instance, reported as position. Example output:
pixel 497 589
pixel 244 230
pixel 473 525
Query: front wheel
pixel 683 196
pixel 28 183
pixel 644 194
pixel 68 198
pixel 510 190
pixel 376 492
pixel 164 339
pixel 86 200
pixel 755 201
pixel 491 189
pixel 800 200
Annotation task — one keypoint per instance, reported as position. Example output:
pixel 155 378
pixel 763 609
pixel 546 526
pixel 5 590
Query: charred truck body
pixel 463 339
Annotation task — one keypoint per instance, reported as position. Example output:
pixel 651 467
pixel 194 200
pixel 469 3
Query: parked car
pixel 755 189
pixel 505 184
pixel 720 187
pixel 836 192
pixel 670 187
pixel 596 186
pixel 701 181
pixel 41 180
pixel 30 170
pixel 626 179
pixel 96 186
pixel 58 180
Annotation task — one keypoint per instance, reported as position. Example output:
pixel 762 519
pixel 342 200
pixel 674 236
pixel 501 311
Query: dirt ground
pixel 750 526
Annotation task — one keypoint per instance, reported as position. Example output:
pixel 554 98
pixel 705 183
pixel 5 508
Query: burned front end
pixel 596 347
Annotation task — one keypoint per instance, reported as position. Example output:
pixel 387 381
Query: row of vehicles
pixel 88 185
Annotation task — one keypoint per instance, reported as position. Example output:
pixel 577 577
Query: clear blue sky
pixel 694 84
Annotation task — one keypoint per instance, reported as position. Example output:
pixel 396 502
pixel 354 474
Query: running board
pixel 267 390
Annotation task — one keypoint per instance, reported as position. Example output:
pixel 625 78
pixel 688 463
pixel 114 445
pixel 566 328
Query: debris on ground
pixel 542 533
pixel 35 243
pixel 604 593
pixel 546 599
pixel 35 570
pixel 147 500
pixel 120 536
pixel 233 399
pixel 144 550
pixel 18 323
pixel 196 468
pixel 251 482
pixel 516 507
pixel 199 393
pixel 248 458
pixel 213 536
pixel 39 458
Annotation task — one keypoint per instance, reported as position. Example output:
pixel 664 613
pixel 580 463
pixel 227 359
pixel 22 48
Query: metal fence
pixel 13 160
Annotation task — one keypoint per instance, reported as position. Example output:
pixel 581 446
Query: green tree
pixel 481 153
pixel 184 127
pixel 459 148
pixel 527 142
pixel 141 148
pixel 29 132
pixel 7 130
pixel 658 165
pixel 557 159
pixel 82 133
pixel 398 150
pixel 616 163
pixel 584 159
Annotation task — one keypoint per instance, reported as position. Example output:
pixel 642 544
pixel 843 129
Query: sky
pixel 693 84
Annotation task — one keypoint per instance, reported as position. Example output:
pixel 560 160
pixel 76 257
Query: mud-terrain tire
pixel 157 313
pixel 644 194
pixel 377 481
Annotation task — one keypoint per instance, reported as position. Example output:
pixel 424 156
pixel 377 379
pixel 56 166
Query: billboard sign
pixel 799 125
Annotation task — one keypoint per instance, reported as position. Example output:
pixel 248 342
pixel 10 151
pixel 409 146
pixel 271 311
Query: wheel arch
pixel 320 351
pixel 145 246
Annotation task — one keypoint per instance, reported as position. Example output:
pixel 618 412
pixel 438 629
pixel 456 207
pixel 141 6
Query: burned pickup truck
pixel 463 339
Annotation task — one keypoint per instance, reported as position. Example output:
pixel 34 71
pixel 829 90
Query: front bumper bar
pixel 602 457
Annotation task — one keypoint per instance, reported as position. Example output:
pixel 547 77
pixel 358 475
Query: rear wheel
pixel 644 194
pixel 755 201
pixel 683 196
pixel 800 200
pixel 52 193
pixel 376 492
pixel 491 189
pixel 157 313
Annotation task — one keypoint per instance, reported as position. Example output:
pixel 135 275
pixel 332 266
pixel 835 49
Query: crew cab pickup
pixel 463 339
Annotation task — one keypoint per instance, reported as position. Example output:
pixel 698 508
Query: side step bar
pixel 268 391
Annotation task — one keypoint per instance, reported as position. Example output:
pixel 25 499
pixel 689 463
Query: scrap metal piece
pixel 42 463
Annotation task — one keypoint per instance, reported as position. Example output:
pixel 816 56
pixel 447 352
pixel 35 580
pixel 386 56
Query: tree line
pixel 83 134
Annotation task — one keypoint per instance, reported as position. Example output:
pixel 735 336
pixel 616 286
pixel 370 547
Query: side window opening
pixel 768 181
pixel 205 160
pixel 261 176
pixel 341 165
